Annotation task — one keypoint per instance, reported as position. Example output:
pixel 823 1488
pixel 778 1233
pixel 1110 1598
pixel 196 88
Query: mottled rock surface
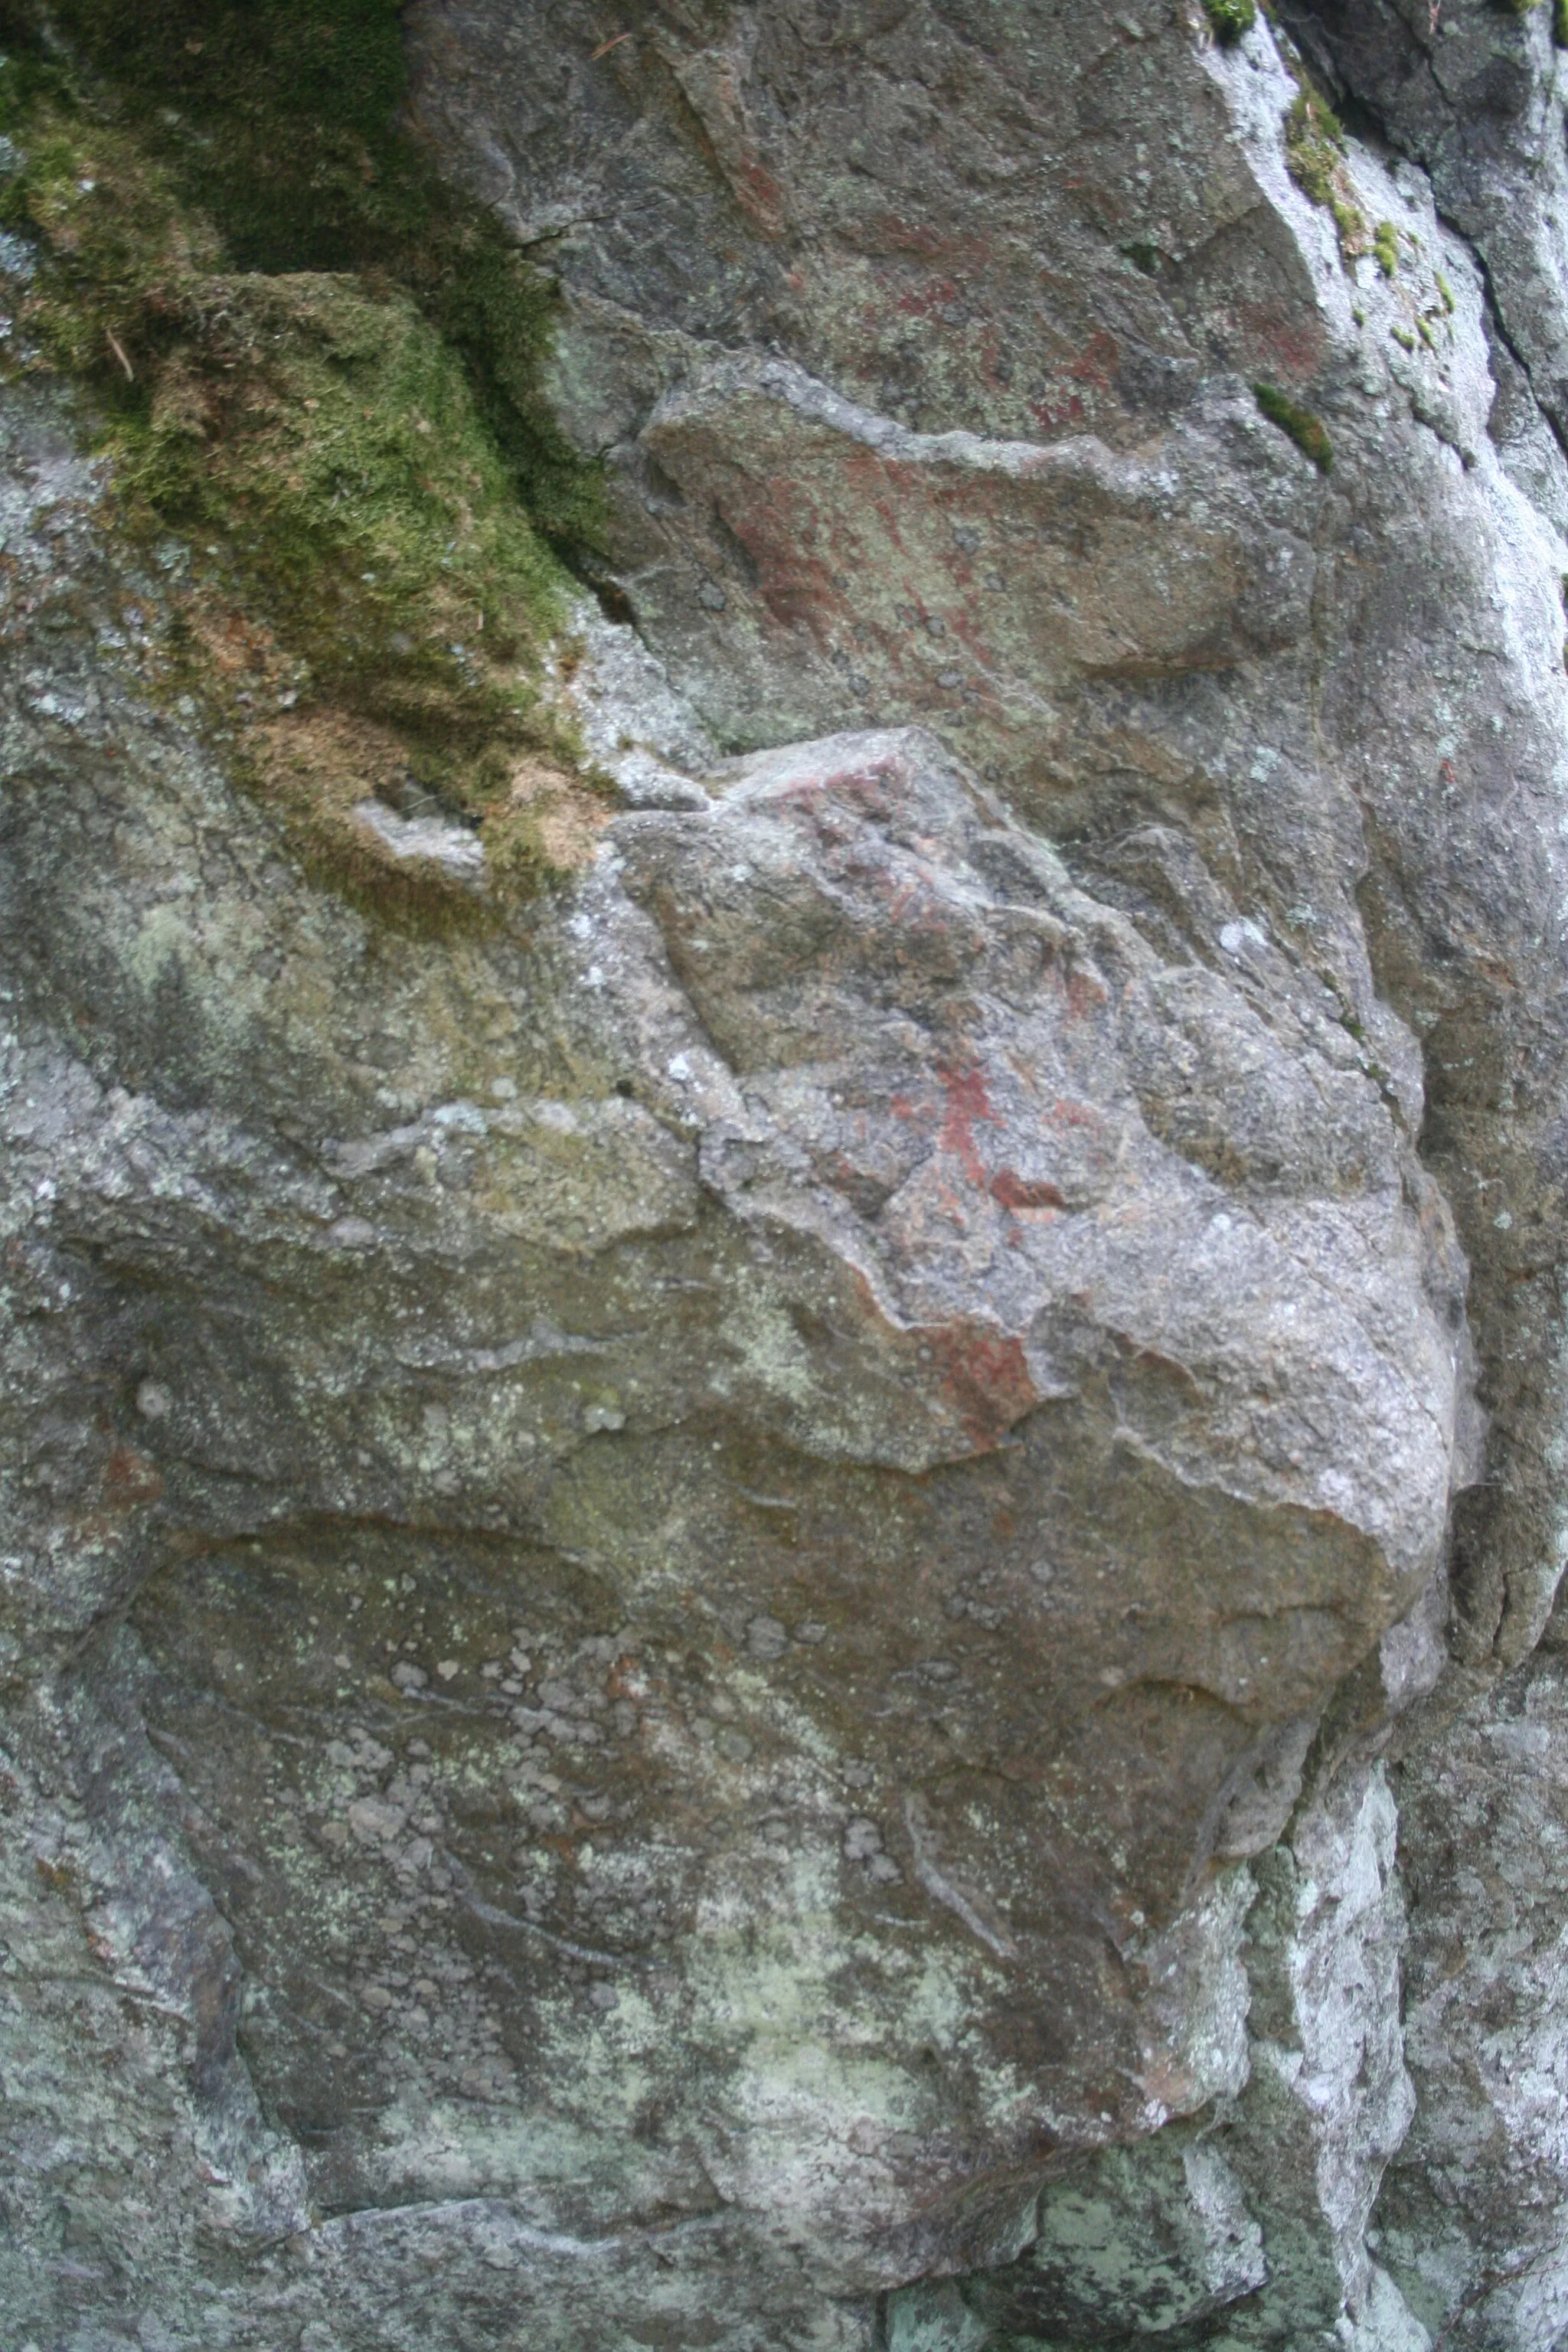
pixel 762 1608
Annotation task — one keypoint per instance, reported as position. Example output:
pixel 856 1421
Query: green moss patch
pixel 1309 431
pixel 1230 19
pixel 1315 157
pixel 1385 246
pixel 278 121
pixel 352 450
pixel 1314 145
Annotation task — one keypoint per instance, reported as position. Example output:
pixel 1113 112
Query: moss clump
pixel 1314 156
pixel 1351 223
pixel 1403 338
pixel 1385 246
pixel 370 593
pixel 1314 145
pixel 1308 432
pixel 328 439
pixel 1560 23
pixel 1231 20
pixel 278 121
pixel 1445 293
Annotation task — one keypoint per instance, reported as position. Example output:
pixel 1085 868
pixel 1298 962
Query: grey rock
pixel 1245 2226
pixel 700 1597
pixel 1474 2221
pixel 426 840
pixel 1368 757
pixel 960 1247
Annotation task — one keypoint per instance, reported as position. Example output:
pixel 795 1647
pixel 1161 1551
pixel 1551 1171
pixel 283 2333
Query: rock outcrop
pixel 802 1596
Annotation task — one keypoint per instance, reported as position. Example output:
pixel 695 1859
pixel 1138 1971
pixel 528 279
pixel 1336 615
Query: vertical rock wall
pixel 759 1605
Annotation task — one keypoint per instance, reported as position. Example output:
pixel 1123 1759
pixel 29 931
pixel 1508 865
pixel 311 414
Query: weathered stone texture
pixel 703 1594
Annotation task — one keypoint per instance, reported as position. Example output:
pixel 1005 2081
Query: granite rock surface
pixel 807 1602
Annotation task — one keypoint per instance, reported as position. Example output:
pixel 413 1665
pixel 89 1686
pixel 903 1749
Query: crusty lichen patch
pixel 368 600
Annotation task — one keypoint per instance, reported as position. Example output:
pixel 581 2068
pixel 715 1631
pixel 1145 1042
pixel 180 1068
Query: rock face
pixel 753 1612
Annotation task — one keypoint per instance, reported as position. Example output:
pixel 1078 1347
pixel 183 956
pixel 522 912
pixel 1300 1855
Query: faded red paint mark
pixel 1297 346
pixel 1068 1111
pixel 903 1108
pixel 985 1379
pixel 939 295
pixel 967 1101
pixel 129 1479
pixel 1084 993
pixel 798 600
pixel 908 237
pixel 758 192
pixel 1011 1190
pixel 1051 419
pixel 1098 356
pixel 799 568
pixel 968 629
pixel 909 895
